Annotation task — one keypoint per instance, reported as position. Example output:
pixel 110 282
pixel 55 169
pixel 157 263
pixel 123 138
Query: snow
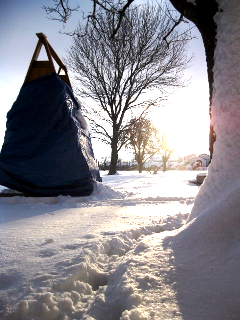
pixel 225 109
pixel 84 257
pixel 126 252
pixel 131 251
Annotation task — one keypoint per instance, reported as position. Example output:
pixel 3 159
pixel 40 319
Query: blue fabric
pixel 46 152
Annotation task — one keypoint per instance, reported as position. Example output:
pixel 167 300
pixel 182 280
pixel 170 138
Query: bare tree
pixel 166 151
pixel 200 12
pixel 114 72
pixel 144 139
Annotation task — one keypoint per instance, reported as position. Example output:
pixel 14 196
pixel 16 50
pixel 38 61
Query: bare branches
pixel 121 15
pixel 61 9
pixel 176 23
pixel 186 8
pixel 115 71
pixel 144 139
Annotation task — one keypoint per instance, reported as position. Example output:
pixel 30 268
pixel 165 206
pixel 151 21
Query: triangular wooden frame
pixel 38 69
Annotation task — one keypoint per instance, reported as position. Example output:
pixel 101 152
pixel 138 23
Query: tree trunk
pixel 208 30
pixel 223 173
pixel 202 15
pixel 164 160
pixel 114 152
pixel 140 166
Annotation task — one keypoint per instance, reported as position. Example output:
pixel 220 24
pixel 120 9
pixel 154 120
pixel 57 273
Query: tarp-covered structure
pixel 46 150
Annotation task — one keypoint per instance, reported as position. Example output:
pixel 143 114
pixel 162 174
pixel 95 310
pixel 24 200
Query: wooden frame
pixel 38 69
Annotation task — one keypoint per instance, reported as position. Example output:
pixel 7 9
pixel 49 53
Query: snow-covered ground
pixel 126 253
pixel 97 257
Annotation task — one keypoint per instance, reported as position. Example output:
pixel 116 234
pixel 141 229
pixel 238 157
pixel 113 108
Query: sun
pixel 185 121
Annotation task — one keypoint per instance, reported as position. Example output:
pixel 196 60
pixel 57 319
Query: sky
pixel 185 119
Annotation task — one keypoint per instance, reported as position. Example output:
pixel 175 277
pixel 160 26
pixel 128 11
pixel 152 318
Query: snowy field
pixel 131 251
pixel 96 257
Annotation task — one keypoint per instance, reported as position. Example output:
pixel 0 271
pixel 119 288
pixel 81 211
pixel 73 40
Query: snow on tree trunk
pixel 224 171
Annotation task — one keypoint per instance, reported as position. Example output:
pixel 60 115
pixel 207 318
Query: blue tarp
pixel 46 151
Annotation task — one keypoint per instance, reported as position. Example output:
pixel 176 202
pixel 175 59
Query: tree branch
pixel 186 8
pixel 62 9
pixel 121 14
pixel 176 23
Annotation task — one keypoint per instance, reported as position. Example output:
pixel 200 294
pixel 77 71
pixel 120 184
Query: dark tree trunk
pixel 114 152
pixel 164 160
pixel 202 15
pixel 140 166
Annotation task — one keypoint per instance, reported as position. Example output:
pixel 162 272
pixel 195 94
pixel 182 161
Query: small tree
pixel 115 71
pixel 144 140
pixel 166 152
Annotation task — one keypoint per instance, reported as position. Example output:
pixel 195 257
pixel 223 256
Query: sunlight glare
pixel 185 120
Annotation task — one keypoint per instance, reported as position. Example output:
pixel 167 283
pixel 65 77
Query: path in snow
pixel 44 241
